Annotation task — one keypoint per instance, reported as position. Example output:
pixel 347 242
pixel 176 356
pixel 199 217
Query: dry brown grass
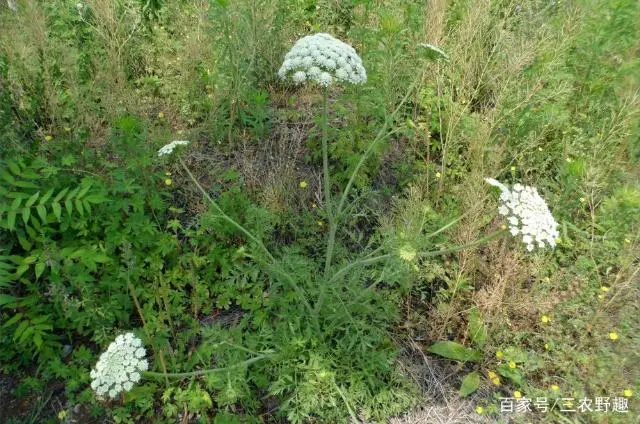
pixel 438 379
pixel 434 17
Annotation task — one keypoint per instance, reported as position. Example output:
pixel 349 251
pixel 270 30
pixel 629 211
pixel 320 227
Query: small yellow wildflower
pixel 407 252
pixel 48 137
pixel 499 354
pixel 313 205
pixel 513 168
pixel 569 160
pixel 583 200
pixel 539 149
pixel 600 297
pixel 503 227
pixel 545 319
pixel 168 174
pixel 517 394
pixel 303 184
pixel 438 175
pixel 555 387
pixel 168 181
pixel 558 240
pixel 627 393
pixel 496 381
pixel 479 410
pixel 546 346
pixel 613 335
pixel 547 280
pixel 492 374
pixel 627 241
pixel 604 289
pixel 62 415
pixel 512 365
pixel 320 223
pixel 160 115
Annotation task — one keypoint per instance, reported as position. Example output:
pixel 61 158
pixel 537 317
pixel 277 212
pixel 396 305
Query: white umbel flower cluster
pixel 120 366
pixel 168 148
pixel 322 59
pixel 527 214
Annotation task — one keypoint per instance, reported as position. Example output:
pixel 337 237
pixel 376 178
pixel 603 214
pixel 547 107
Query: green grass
pixel 99 236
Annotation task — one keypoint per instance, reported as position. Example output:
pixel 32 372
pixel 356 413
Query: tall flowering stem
pixel 327 183
pixel 428 254
pixel 197 373
pixel 124 363
pixel 383 134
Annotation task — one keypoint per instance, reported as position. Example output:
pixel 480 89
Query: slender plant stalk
pixel 382 134
pixel 273 263
pixel 379 137
pixel 365 262
pixel 164 372
pixel 206 371
pixel 144 325
pixel 334 214
pixel 226 217
pixel 136 303
pixel 327 184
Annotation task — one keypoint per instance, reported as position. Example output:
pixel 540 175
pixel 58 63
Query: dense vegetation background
pixel 99 236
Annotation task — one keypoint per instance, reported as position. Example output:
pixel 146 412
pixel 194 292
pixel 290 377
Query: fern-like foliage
pixel 34 211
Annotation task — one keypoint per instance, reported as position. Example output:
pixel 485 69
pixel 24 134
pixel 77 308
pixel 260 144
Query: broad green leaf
pixel 32 233
pixel 95 198
pixel 15 204
pixel 57 210
pixel 39 269
pixel 37 340
pixel 73 193
pixel 13 320
pixel 28 331
pixel 5 299
pixel 35 222
pixel 477 329
pixel 69 206
pixel 60 195
pixel 21 328
pixel 511 373
pixel 100 258
pixel 26 184
pixel 79 206
pixel 21 270
pixel 7 177
pixel 42 213
pixel 28 260
pixel 26 214
pixel 26 245
pixel 46 197
pixel 84 191
pixel 455 351
pixel 13 167
pixel 11 220
pixel 470 383
pixel 32 200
